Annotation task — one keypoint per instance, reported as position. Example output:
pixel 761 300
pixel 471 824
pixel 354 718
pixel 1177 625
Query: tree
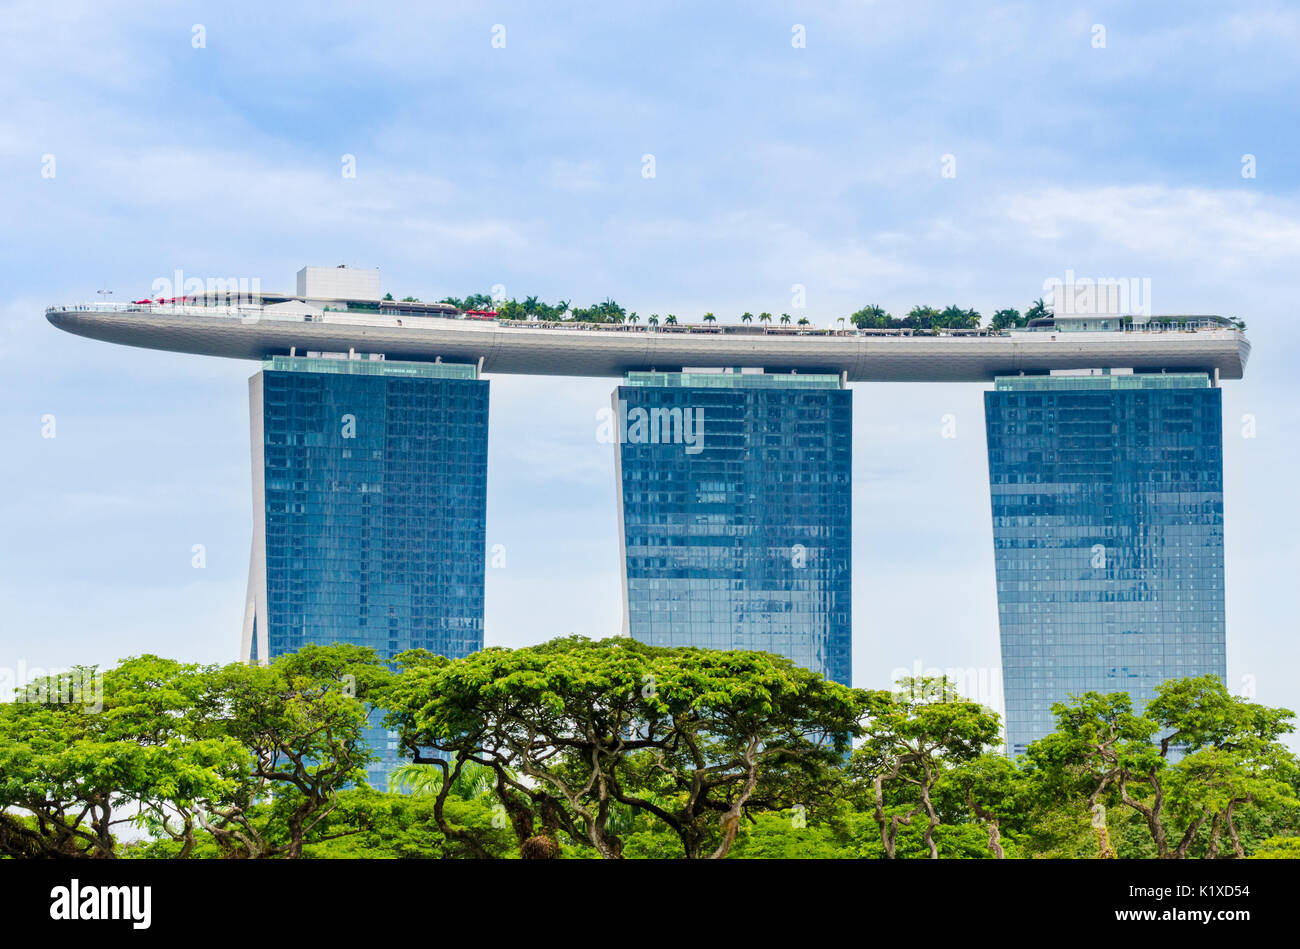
pixel 511 310
pixel 710 318
pixel 922 317
pixel 765 317
pixel 81 769
pixel 633 317
pixel 1278 848
pixel 1081 758
pixel 654 319
pixel 952 316
pixel 993 790
pixel 301 721
pixel 1006 319
pixel 912 737
pixel 1195 756
pixel 804 321
pixel 370 825
pixel 610 311
pixel 785 318
pixel 871 317
pixel 789 836
pixel 1039 310
pixel 747 317
pixel 671 320
pixel 574 730
pixel 1232 758
pixel 423 779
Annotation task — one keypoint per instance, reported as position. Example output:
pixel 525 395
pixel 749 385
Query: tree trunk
pixel 1104 850
pixel 1212 850
pixel 995 840
pixel 933 820
pixel 1237 848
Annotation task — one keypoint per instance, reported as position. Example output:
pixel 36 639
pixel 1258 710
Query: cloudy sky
pixel 1108 139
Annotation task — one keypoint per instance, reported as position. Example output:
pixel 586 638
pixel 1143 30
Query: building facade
pixel 369 499
pixel 735 512
pixel 1107 499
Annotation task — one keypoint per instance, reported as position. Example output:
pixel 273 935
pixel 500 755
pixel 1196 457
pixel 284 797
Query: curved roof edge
pixel 541 351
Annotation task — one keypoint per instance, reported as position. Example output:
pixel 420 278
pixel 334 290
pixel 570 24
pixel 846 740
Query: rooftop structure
pixel 418 332
pixel 337 283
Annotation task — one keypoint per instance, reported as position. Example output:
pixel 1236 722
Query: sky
pixel 895 153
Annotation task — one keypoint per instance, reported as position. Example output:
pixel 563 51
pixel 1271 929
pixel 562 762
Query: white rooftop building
pixel 337 283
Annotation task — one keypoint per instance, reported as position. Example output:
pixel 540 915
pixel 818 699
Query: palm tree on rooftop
pixel 747 317
pixel 803 321
pixel 954 317
pixel 672 319
pixel 710 318
pixel 873 316
pixel 765 317
pixel 612 310
pixel 633 318
pixel 654 319
pixel 785 318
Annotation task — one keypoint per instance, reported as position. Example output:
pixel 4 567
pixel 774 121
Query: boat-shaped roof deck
pixel 278 325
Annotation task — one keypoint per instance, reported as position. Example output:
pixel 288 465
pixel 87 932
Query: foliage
pixel 912 737
pixel 79 770
pixel 1189 765
pixel 1278 848
pixel 573 729
pixel 613 748
pixel 177 749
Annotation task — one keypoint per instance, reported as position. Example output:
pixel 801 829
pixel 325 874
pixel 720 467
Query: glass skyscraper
pixel 735 513
pixel 370 493
pixel 1107 496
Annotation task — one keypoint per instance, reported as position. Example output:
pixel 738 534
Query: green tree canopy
pixel 574 728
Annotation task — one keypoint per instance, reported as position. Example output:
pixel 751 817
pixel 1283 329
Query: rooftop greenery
pixel 919 317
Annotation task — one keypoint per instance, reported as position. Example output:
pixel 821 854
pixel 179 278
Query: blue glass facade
pixel 373 526
pixel 1107 497
pixel 739 539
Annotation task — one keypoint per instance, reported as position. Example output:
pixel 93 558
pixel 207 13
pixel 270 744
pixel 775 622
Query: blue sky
pixel 522 166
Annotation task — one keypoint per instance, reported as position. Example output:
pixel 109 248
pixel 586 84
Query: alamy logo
pixel 134 903
pixel 657 426
pixel 1104 296
pixel 242 291
pixel 79 686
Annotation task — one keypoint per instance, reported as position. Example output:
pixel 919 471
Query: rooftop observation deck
pixel 432 332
